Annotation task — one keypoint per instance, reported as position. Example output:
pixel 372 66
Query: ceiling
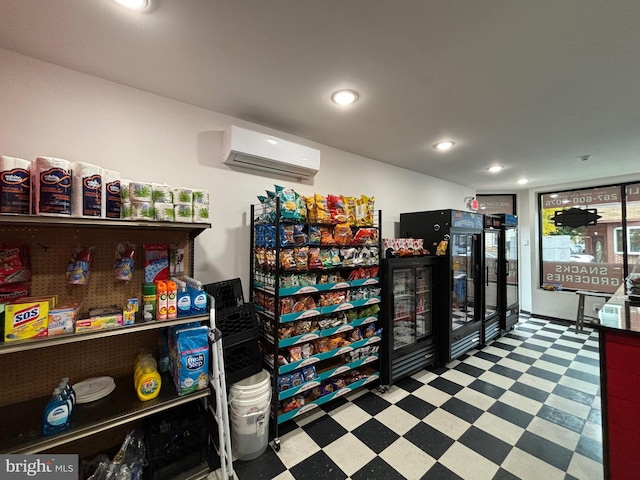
pixel 530 85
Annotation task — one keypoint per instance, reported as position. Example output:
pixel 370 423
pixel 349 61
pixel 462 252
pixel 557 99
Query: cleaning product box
pixel 62 319
pixel 25 319
pixel 99 323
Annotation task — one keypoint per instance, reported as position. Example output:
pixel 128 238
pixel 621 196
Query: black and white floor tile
pixel 526 406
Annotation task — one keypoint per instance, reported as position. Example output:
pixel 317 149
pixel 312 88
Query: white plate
pixel 93 388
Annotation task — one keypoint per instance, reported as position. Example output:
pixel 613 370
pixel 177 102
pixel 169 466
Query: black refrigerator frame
pixel 492 278
pixel 405 361
pixel 509 310
pixel 433 226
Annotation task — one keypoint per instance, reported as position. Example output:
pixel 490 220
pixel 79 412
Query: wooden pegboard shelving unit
pixel 30 369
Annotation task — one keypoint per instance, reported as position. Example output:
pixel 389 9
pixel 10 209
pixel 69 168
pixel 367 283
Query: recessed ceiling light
pixel 344 97
pixel 495 168
pixel 137 5
pixel 522 181
pixel 444 146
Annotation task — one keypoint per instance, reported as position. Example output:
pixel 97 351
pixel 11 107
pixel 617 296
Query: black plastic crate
pixel 242 360
pixel 237 324
pixel 176 440
pixel 228 294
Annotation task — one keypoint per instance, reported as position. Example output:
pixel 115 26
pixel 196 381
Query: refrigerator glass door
pixel 491 238
pixel 423 301
pixel 463 280
pixel 511 254
pixel 404 307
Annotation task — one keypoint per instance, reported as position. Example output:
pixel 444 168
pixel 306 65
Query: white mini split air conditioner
pixel 258 151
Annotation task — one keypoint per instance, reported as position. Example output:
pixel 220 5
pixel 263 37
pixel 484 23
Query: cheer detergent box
pixel 26 318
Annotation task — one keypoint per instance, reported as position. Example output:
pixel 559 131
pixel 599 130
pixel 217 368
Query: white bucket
pixel 249 402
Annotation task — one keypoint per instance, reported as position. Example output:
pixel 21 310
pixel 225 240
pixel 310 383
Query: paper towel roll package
pixel 86 194
pixel 200 196
pixel 111 193
pixel 15 185
pixel 51 186
pixel 162 193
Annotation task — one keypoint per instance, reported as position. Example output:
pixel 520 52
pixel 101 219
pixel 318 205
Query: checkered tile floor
pixel 526 406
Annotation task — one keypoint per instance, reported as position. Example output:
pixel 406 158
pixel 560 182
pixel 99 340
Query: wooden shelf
pixel 22 422
pixel 30 344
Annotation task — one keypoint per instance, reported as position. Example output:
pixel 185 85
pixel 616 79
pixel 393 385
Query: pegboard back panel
pixel 34 373
pixel 51 249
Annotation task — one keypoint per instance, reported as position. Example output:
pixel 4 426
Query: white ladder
pixel 218 382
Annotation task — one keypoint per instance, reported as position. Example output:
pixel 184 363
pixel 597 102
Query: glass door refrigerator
pixel 457 236
pixel 493 282
pixel 508 271
pixel 408 309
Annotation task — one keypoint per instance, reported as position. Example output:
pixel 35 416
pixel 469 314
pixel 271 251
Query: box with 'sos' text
pixel 39 467
pixel 27 317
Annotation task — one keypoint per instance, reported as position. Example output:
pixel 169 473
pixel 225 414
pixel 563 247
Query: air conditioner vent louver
pixel 258 151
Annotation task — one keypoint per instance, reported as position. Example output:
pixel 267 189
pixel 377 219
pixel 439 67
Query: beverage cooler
pixel 408 312
pixel 458 235
pixel 494 283
pixel 509 304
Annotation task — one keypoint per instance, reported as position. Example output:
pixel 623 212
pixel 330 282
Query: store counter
pixel 619 330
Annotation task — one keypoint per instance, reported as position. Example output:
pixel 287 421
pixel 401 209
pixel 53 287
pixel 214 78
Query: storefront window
pixel 579 241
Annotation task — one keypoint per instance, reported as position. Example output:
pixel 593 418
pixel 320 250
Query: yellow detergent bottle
pixel 146 377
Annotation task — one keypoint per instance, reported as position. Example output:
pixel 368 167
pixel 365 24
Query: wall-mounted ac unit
pixel 258 151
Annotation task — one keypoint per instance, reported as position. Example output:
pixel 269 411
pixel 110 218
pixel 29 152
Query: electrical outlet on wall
pixel 597 307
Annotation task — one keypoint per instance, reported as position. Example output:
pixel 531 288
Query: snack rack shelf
pixel 359 358
pixel 32 367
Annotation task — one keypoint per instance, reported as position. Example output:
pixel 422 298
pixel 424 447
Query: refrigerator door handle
pixel 487 279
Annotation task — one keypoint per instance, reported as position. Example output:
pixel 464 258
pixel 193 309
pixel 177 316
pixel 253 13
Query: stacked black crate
pixel 238 324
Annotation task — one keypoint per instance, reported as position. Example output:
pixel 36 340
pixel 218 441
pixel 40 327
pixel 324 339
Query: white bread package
pixel 111 193
pixel 86 194
pixel 51 186
pixel 15 185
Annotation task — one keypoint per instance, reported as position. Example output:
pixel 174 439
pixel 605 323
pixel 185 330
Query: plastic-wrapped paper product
pixel 15 185
pixel 86 192
pixel 182 196
pixel 142 211
pixel 111 193
pixel 165 212
pixel 51 186
pixel 184 213
pixel 201 213
pixel 140 192
pixel 125 210
pixel 125 190
pixel 200 196
pixel 162 193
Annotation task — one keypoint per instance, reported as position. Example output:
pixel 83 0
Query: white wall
pixel 563 305
pixel 48 110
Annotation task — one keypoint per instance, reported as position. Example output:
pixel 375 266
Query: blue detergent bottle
pixel 198 296
pixel 55 418
pixel 184 299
